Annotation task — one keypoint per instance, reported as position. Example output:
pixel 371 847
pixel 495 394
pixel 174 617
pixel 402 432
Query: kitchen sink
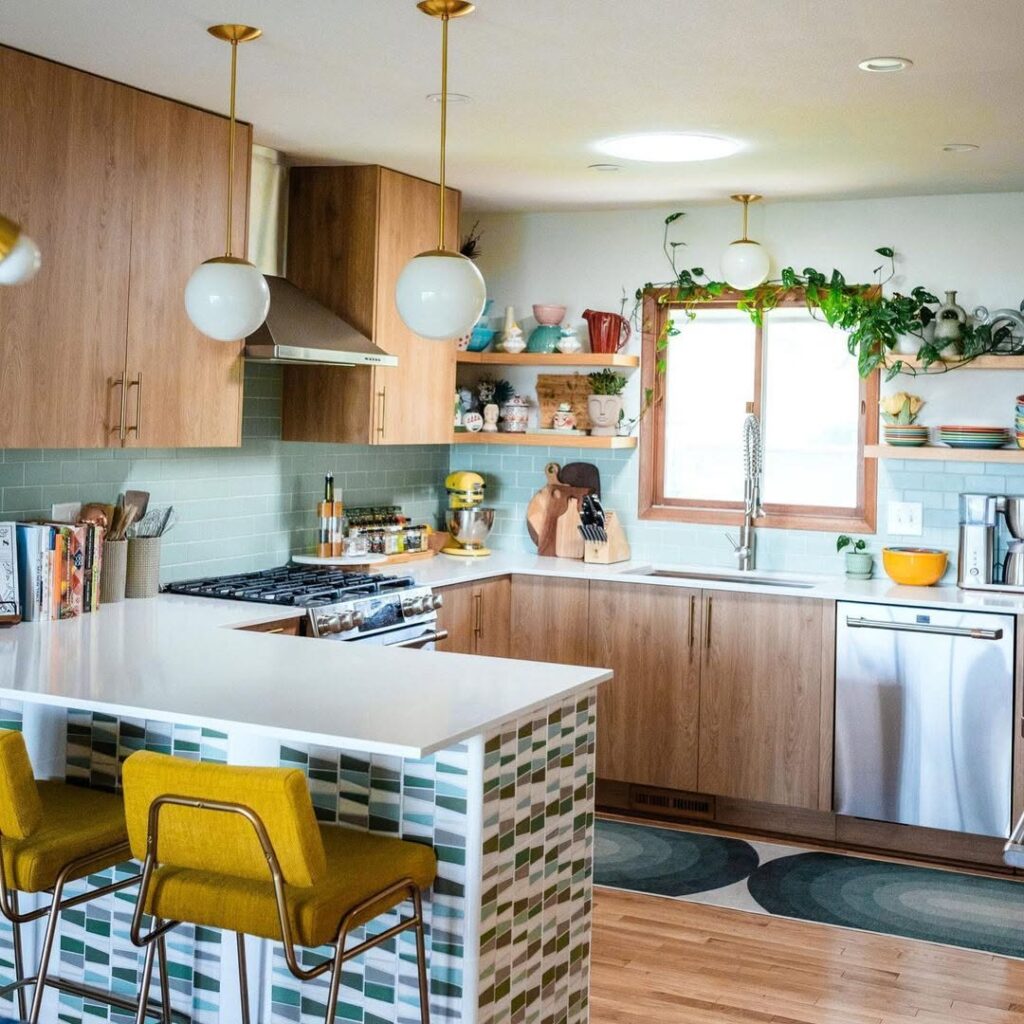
pixel 726 577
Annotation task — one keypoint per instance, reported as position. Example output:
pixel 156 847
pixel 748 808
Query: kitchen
pixel 696 744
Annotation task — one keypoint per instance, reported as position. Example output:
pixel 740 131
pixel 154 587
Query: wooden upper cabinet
pixel 191 386
pixel 760 698
pixel 351 230
pixel 647 714
pixel 67 178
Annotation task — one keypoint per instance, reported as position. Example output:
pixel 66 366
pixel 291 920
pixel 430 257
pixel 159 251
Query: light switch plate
pixel 905 518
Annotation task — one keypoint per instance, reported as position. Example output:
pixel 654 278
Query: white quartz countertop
pixel 447 570
pixel 177 659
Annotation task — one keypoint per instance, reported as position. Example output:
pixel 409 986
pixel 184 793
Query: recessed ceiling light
pixel 668 147
pixel 959 147
pixel 604 168
pixel 885 65
pixel 453 97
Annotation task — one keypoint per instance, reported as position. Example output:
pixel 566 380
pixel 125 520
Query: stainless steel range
pixel 392 611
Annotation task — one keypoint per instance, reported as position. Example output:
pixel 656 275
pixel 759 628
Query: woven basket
pixel 112 571
pixel 143 576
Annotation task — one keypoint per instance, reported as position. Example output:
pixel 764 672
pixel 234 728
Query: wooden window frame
pixel 653 504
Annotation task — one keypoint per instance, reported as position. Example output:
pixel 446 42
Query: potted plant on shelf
pixel 860 563
pixel 604 403
pixel 900 411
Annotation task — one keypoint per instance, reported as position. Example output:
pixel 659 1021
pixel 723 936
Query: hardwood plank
pixel 549 619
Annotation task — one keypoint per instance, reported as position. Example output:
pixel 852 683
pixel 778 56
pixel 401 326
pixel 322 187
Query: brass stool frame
pixel 9 909
pixel 334 964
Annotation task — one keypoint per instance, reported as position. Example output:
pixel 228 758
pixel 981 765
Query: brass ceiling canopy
pixel 235 33
pixel 446 8
pixel 746 198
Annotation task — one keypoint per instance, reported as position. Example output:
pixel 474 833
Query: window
pixel 816 416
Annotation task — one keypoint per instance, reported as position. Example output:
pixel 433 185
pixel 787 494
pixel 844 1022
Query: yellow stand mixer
pixel 469 523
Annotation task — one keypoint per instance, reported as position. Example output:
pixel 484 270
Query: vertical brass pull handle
pixel 478 602
pixel 693 618
pixel 707 625
pixel 382 395
pixel 136 428
pixel 118 427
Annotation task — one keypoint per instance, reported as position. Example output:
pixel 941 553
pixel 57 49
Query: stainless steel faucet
pixel 745 546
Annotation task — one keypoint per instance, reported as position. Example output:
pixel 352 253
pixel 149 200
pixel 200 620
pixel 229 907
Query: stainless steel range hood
pixel 298 329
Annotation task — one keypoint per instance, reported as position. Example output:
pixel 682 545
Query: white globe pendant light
pixel 226 297
pixel 440 293
pixel 744 263
pixel 20 257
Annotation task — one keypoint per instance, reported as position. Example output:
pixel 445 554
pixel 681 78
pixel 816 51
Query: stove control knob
pixel 436 601
pixel 346 620
pixel 358 618
pixel 328 625
pixel 415 606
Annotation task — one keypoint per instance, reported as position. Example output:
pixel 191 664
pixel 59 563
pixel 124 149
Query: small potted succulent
pixel 860 563
pixel 604 403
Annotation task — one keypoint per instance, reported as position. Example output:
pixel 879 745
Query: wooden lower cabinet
pixel 476 616
pixel 647 715
pixel 550 619
pixel 760 698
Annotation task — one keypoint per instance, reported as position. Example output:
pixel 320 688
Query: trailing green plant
pixel 606 382
pixel 873 321
pixel 842 541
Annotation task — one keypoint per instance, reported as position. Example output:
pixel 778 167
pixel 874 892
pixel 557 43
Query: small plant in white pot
pixel 604 403
pixel 860 563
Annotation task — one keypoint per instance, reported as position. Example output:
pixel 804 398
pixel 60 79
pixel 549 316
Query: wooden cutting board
pixel 568 539
pixel 537 510
pixel 561 495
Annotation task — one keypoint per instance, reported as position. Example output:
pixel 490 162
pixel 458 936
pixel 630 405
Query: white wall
pixel 973 243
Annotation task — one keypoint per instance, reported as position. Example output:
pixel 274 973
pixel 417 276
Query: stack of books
pixel 59 568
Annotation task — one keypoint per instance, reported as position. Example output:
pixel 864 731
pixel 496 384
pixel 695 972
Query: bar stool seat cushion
pixel 75 823
pixel 358 865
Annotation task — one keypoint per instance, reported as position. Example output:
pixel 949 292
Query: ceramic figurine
pixel 473 422
pixel 564 418
pixel 605 411
pixel 949 322
pixel 569 341
pixel 490 418
pixel 515 414
pixel 512 341
pixel 467 399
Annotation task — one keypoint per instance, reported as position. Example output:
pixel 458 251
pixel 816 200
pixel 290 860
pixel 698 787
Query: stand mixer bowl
pixel 470 527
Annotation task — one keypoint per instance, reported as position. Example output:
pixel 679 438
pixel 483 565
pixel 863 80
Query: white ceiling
pixel 341 81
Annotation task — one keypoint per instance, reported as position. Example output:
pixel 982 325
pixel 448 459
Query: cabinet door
pixel 493 599
pixel 190 394
pixel 412 401
pixel 647 714
pixel 549 619
pixel 457 616
pixel 67 179
pixel 760 698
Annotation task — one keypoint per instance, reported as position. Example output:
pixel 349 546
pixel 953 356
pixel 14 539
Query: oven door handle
pixel 923 627
pixel 420 641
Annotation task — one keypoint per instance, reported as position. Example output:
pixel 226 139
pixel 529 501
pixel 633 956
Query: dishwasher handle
pixel 924 627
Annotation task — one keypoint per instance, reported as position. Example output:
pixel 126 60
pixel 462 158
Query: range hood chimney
pixel 298 329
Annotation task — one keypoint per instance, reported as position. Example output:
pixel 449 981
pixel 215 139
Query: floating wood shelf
pixel 981 363
pixel 545 440
pixel 939 454
pixel 549 359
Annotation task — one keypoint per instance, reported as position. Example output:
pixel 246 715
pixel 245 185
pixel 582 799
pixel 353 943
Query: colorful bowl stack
pixel 1018 423
pixel 909 435
pixel 974 437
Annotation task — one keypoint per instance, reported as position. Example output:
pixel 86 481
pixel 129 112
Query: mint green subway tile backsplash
pixel 239 508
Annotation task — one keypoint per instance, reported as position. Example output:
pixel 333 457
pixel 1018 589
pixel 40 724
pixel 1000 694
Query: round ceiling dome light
pixel 960 147
pixel 885 65
pixel 668 147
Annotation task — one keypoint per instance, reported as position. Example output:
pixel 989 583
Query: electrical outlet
pixel 905 518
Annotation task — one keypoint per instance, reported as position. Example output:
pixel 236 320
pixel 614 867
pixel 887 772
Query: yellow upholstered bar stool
pixel 52 834
pixel 240 849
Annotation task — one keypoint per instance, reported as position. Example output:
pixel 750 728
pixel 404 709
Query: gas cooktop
pixel 298 586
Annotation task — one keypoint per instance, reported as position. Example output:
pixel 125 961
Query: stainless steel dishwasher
pixel 924 717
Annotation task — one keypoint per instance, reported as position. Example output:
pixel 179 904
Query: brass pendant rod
pixel 231 148
pixel 444 126
pixel 746 214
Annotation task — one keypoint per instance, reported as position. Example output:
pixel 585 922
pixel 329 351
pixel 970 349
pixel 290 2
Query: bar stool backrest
pixel 215 840
pixel 21 810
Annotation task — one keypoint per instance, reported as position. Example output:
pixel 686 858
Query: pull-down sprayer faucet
pixel 753 458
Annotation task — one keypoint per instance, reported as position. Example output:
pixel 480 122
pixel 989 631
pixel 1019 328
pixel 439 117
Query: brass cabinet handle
pixel 478 602
pixel 383 396
pixel 137 384
pixel 693 618
pixel 118 427
pixel 707 624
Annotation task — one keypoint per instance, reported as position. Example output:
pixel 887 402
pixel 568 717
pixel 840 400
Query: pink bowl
pixel 550 316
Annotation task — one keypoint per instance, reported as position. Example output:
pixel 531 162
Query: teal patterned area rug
pixel 948 907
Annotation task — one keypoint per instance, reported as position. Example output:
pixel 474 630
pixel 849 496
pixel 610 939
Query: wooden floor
pixel 660 961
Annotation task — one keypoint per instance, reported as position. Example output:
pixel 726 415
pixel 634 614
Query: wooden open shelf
pixel 981 363
pixel 588 359
pixel 545 440
pixel 940 454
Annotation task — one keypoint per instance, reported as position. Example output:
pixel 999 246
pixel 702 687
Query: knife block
pixel 615 549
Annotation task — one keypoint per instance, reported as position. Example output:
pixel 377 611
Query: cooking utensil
pixel 140 499
pixel 537 510
pixel 581 474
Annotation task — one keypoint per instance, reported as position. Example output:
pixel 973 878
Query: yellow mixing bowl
pixel 914 567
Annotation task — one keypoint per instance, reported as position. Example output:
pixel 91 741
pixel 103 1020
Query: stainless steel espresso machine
pixel 988 558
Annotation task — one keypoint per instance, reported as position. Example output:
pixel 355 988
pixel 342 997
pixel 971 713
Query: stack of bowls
pixel 1018 423
pixel 973 437
pixel 909 435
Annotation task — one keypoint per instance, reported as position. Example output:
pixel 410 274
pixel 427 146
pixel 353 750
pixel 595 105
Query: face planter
pixel 604 411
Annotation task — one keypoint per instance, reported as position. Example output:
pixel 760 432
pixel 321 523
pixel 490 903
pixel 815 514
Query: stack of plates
pixel 1019 421
pixel 905 435
pixel 974 437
